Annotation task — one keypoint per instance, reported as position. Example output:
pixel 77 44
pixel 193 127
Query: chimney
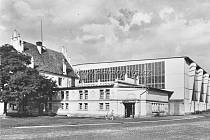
pixel 64 52
pixel 39 46
pixel 64 67
pixel 16 42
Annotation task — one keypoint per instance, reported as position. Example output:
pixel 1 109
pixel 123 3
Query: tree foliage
pixel 21 83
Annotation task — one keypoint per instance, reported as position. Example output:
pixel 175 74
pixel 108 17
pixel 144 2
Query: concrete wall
pixel 174 77
pixel 190 72
pixel 196 88
pixel 176 107
pixel 160 104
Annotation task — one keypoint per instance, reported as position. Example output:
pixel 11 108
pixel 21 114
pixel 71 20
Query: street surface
pixel 175 128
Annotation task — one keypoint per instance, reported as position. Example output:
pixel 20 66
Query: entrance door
pixel 129 110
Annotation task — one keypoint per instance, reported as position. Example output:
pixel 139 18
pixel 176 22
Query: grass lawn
pixel 9 122
pixel 9 130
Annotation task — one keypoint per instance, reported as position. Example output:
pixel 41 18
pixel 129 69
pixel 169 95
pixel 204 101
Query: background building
pixel 190 82
pixel 50 63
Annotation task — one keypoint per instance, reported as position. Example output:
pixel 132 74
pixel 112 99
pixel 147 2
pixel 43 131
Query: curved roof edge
pixel 133 60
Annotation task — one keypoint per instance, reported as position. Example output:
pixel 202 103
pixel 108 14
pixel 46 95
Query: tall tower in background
pixel 16 42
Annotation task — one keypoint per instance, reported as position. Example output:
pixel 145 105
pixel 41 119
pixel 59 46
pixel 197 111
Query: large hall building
pixel 189 82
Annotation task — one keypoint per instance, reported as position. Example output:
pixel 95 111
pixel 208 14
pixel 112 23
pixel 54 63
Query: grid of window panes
pixel 107 93
pixel 86 94
pixel 150 74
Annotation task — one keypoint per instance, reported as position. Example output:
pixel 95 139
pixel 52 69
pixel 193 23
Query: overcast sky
pixel 107 30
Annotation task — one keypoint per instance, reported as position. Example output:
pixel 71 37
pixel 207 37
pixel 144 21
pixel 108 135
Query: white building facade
pixel 118 99
pixel 190 82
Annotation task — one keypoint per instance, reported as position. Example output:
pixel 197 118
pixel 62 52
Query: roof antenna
pixel 41 32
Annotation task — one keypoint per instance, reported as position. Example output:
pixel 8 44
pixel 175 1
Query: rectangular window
pixel 67 106
pixel 67 95
pixel 62 95
pixel 80 106
pixel 107 93
pixel 59 81
pixel 86 94
pixel 86 106
pixel 13 106
pixel 101 106
pixel 101 94
pixel 80 95
pixel 62 105
pixel 107 106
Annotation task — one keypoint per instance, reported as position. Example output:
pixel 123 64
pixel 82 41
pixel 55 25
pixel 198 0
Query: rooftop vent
pixel 39 46
pixel 39 43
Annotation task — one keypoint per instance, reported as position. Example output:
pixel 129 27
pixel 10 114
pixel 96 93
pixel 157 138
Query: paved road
pixel 186 128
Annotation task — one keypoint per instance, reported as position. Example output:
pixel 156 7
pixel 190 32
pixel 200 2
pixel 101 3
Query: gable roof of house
pixel 49 60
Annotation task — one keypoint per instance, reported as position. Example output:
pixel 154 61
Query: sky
pixel 109 30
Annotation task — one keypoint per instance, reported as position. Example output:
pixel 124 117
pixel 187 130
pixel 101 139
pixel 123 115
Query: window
pixel 13 106
pixel 107 94
pixel 101 94
pixel 80 95
pixel 62 105
pixel 107 106
pixel 149 73
pixel 101 106
pixel 62 95
pixel 86 94
pixel 59 81
pixel 67 106
pixel 86 106
pixel 67 95
pixel 80 106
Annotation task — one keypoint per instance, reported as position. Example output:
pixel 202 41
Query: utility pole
pixel 41 32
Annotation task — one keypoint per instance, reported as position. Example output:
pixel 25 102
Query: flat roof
pixel 111 85
pixel 85 87
pixel 173 57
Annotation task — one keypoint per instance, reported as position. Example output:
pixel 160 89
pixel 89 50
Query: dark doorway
pixel 129 110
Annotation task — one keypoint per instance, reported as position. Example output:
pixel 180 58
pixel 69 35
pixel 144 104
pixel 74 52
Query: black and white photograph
pixel 105 69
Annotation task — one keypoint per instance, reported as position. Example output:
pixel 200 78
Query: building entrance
pixel 129 110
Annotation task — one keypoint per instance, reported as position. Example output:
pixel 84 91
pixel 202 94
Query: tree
pixel 11 62
pixel 22 84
